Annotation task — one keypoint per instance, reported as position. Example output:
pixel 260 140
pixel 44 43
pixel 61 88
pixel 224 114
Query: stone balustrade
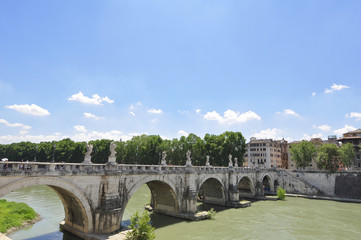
pixel 64 168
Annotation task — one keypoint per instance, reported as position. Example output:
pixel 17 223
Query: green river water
pixel 295 218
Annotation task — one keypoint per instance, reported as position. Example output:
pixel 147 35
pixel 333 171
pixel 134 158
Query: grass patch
pixel 14 214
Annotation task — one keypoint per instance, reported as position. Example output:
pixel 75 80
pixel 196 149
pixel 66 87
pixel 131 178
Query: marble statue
pixel 236 162
pixel 207 161
pixel 164 155
pixel 230 164
pixel 89 150
pixel 113 145
pixel 87 157
pixel 189 160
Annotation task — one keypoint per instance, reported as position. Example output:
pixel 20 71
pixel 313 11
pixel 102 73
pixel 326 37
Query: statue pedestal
pixel 112 161
pixel 163 162
pixel 87 161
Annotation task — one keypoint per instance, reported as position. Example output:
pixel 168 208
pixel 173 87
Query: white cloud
pixel 231 117
pixel 155 111
pixel 111 135
pixel 182 133
pixel 269 133
pixel 183 112
pixel 288 112
pixel 29 109
pixel 24 127
pixel 132 113
pixel 313 94
pixel 78 137
pixel 335 87
pixel 198 110
pixel 23 132
pixel 324 127
pixel 80 128
pixel 90 115
pixel 354 115
pixel 343 130
pixel 7 139
pixel 308 137
pixel 96 99
pixel 133 106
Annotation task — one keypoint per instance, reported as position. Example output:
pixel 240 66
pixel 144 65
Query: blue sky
pixel 115 69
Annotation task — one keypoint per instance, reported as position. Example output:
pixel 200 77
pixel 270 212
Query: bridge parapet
pixel 46 168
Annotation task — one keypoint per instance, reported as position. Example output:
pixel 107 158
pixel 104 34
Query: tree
pixel 328 157
pixel 213 146
pixel 235 144
pixel 140 227
pixel 101 150
pixel 347 154
pixel 45 151
pixel 303 153
pixel 64 150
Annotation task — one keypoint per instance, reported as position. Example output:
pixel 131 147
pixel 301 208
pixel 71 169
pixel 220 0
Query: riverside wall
pixel 343 185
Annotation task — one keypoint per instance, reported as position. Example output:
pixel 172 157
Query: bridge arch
pixel 164 198
pixel 211 190
pixel 78 213
pixel 267 183
pixel 246 187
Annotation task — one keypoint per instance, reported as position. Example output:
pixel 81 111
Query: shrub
pixel 281 193
pixel 140 227
pixel 211 214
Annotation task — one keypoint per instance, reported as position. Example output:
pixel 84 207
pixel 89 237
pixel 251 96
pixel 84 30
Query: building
pixel 266 153
pixel 353 137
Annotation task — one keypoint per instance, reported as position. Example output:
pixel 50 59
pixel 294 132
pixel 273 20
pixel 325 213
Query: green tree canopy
pixel 303 153
pixel 347 154
pixel 328 157
pixel 144 149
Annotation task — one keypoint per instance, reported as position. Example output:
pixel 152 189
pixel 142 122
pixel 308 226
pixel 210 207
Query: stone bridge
pixel 95 196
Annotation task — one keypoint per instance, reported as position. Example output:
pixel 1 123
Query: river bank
pixel 23 225
pixel 347 200
pixel 15 216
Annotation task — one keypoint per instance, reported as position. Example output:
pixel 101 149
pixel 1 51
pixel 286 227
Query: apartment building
pixel 266 153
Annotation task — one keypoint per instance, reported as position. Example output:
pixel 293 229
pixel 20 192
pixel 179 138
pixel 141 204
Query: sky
pixel 115 69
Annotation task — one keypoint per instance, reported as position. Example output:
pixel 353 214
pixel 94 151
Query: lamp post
pixel 53 160
pixel 136 155
pixel 36 150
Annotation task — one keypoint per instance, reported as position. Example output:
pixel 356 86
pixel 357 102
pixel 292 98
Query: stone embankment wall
pixel 339 185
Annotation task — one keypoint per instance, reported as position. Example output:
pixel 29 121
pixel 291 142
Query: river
pixel 295 218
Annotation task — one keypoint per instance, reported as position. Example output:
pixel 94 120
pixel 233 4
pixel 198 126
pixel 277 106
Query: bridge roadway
pixel 94 196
